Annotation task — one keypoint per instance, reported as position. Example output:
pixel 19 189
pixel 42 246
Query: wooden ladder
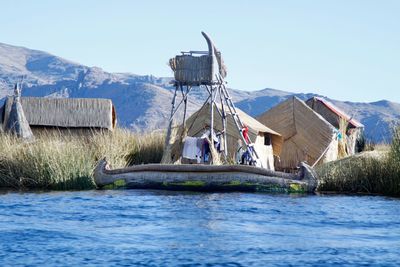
pixel 238 122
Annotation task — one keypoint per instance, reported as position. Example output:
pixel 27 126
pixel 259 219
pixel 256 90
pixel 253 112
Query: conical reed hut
pixel 307 135
pixel 17 123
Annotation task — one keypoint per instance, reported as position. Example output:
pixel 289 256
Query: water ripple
pixel 164 228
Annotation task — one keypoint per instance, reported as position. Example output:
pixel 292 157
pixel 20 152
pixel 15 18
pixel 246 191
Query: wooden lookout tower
pixel 206 69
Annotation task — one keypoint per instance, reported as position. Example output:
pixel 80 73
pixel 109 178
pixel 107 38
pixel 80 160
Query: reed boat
pixel 205 178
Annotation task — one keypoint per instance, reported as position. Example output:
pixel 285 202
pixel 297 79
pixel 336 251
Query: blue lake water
pixel 161 228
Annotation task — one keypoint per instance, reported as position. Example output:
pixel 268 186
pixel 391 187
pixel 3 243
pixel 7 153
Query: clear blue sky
pixel 344 49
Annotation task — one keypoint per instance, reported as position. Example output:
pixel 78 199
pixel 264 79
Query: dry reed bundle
pixel 216 160
pixel 342 144
pixel 176 150
pixel 169 141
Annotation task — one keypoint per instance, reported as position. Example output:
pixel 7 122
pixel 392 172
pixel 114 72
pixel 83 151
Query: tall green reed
pixel 65 162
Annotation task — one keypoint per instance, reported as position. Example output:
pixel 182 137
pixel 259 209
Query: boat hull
pixel 204 178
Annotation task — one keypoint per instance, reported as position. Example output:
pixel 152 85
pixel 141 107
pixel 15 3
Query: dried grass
pixel 66 162
pixel 375 172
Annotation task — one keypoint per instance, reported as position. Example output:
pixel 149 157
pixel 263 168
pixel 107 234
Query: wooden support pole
pixel 212 116
pixel 166 158
pixel 182 100
pixel 172 111
pixel 185 106
pixel 223 123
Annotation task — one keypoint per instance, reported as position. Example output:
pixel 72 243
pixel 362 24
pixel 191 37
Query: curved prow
pixel 308 174
pixel 211 53
pixel 209 43
pixel 216 57
pixel 100 177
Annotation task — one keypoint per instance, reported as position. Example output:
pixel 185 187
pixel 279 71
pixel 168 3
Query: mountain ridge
pixel 143 101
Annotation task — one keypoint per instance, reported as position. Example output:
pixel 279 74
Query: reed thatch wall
pixel 352 128
pixel 65 112
pixel 200 120
pixel 307 135
pixel 192 69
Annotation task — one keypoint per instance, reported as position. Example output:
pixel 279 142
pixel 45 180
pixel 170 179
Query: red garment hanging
pixel 245 132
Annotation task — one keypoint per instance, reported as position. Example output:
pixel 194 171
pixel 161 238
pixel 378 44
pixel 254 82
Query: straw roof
pixel 331 112
pixel 306 134
pixel 66 112
pixel 201 119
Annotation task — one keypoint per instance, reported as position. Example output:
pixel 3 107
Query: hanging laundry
pixel 206 150
pixel 207 134
pixel 245 132
pixel 190 149
pixel 199 146
pixel 206 146
pixel 246 158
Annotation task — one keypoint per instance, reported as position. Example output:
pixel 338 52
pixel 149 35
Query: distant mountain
pixel 143 102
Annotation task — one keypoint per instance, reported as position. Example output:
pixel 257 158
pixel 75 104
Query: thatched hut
pixel 351 129
pixel 267 142
pixel 307 135
pixel 69 115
